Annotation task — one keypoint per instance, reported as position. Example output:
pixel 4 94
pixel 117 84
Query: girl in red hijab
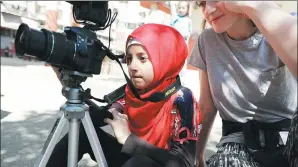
pixel 153 134
pixel 155 54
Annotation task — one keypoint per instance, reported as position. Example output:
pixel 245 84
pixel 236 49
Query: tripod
pixel 75 111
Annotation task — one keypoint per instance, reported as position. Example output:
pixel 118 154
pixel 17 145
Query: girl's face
pixel 139 66
pixel 217 16
pixel 182 8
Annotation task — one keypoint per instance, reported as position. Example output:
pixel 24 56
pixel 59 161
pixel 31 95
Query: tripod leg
pixel 51 141
pixel 94 141
pixel 73 142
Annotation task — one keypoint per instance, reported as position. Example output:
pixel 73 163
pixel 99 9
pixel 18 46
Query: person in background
pixel 180 18
pixel 180 12
pixel 6 52
pixel 248 73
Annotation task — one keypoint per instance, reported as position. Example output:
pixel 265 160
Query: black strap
pixel 269 155
pixel 159 96
pixel 229 127
pixel 115 95
pixel 156 97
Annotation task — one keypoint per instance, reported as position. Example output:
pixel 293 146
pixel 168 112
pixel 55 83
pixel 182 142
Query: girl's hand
pixel 119 125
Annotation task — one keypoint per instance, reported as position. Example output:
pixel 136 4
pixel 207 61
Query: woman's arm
pixel 279 28
pixel 208 115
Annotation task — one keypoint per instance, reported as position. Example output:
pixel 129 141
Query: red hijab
pixel 167 52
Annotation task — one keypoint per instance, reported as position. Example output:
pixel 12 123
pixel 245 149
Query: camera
pixel 77 49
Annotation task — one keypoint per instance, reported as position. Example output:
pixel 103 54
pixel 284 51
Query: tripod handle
pixel 102 109
pixel 115 95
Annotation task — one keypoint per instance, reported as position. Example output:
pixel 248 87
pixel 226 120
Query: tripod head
pixel 76 95
pixel 71 81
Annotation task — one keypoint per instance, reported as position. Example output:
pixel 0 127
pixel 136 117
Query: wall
pixel 6 42
pixel 289 6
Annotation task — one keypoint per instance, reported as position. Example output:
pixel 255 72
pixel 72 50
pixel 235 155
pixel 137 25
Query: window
pixel 60 14
pixel 115 10
pixel 13 33
pixel 8 32
pixel 140 24
pixel 131 26
pixel 41 9
pixel 143 15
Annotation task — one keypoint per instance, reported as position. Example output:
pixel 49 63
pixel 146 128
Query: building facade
pixel 33 13
pixel 55 15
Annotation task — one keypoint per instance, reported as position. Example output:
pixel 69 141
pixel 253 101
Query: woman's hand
pixel 233 6
pixel 119 125
pixel 241 6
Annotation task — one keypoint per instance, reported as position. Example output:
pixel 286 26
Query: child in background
pixel 181 20
pixel 183 24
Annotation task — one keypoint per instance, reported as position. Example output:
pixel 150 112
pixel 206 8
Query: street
pixel 30 100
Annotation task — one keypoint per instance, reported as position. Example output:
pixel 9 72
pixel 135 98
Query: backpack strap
pixel 186 118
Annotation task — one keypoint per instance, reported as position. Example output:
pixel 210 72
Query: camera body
pixel 93 12
pixel 77 49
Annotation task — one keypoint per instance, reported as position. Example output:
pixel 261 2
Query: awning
pixel 160 5
pixel 13 21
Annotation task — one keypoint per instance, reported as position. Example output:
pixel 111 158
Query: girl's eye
pixel 143 58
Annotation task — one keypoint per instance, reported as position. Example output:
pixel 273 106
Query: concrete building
pixel 33 13
pixel 55 15
pixel 12 14
pixel 132 14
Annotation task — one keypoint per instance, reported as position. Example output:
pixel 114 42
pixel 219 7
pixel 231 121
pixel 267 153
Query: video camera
pixel 77 49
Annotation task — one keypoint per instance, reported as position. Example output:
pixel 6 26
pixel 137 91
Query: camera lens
pixel 48 46
pixel 76 49
pixel 30 41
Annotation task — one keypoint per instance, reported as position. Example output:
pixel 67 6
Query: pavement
pixel 30 100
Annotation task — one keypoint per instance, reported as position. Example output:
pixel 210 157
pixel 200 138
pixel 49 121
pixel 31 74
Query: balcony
pixel 18 8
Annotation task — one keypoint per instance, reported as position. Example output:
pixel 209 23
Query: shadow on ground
pixel 210 150
pixel 16 62
pixel 30 135
pixel 22 141
pixel 4 114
